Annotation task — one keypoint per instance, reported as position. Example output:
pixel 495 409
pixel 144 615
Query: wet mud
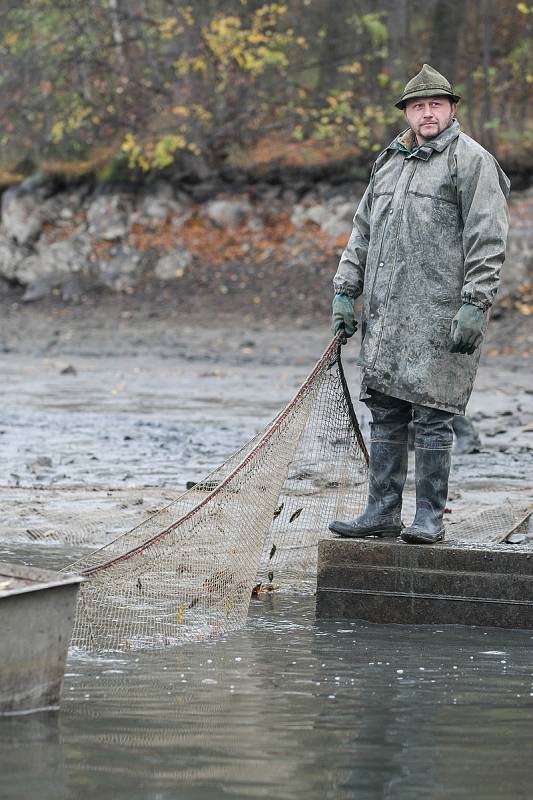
pixel 107 413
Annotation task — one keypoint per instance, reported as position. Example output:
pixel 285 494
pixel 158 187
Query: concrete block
pixel 383 581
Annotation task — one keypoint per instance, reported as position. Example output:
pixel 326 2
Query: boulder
pixel 108 217
pixel 333 218
pixel 227 213
pixel 336 228
pixel 319 214
pixel 22 215
pixel 61 258
pixel 40 288
pixel 173 265
pixel 300 215
pixel 344 211
pixel 161 202
pixel 518 266
pixel 122 271
pixel 61 208
pixel 10 257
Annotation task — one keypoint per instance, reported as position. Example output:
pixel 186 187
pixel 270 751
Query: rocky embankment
pixel 254 245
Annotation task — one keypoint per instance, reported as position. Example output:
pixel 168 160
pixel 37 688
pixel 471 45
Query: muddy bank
pixel 107 410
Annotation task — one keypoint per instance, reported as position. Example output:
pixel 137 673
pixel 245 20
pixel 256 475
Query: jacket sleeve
pixel 350 274
pixel 482 191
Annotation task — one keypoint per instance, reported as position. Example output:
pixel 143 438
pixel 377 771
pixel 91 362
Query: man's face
pixel 428 116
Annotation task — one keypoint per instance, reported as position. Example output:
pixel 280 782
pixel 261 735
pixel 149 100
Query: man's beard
pixel 434 131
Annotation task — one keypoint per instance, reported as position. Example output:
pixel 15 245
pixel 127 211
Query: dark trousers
pixel 391 417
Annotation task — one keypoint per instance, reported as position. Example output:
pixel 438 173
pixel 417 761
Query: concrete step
pixel 393 582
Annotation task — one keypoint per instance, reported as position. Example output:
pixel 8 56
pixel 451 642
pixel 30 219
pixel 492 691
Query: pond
pixel 287 707
pixel 291 708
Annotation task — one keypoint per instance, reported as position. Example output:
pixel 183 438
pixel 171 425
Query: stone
pixel 333 219
pixel 161 202
pixel 10 257
pixel 40 463
pixel 344 211
pixel 173 265
pixel 519 254
pixel 72 288
pixel 54 265
pixel 336 229
pixel 256 224
pixel 58 258
pixel 22 215
pixel 320 215
pixel 123 271
pixel 108 217
pixel 466 436
pixel 227 213
pixel 40 288
pixel 307 211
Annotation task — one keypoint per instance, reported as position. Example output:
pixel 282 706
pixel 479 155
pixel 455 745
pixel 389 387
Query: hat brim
pixel 429 92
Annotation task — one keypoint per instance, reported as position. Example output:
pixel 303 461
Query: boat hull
pixel 37 610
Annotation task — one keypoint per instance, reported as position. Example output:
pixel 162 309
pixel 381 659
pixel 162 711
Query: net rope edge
pixel 334 348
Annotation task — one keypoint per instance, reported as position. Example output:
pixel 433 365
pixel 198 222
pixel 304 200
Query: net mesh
pixel 491 526
pixel 188 571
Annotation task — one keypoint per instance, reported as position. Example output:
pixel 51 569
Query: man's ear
pixel 454 108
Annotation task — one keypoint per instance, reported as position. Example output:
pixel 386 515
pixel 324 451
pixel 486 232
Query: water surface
pixel 288 708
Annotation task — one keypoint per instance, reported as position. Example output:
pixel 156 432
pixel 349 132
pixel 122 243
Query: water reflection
pixel 294 709
pixel 32 760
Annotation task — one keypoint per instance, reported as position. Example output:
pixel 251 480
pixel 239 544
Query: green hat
pixel 428 83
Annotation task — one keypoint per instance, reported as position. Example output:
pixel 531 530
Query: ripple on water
pixel 293 708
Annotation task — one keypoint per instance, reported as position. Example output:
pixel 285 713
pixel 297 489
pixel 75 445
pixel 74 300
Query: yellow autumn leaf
pixel 129 143
pixel 11 38
pixel 187 14
pixel 57 131
pixel 355 68
pixel 167 24
pixel 198 64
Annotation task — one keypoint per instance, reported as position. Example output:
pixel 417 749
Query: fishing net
pixel 491 526
pixel 188 572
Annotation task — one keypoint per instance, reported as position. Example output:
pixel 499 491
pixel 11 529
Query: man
pixel 425 252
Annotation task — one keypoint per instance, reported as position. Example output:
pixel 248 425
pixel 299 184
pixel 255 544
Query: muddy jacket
pixel 428 236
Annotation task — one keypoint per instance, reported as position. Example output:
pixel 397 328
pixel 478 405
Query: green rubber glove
pixel 467 329
pixel 343 316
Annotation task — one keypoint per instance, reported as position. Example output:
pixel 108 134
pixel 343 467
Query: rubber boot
pixel 386 479
pixel 466 437
pixel 432 469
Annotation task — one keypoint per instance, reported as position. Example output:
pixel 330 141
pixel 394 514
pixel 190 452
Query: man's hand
pixel 343 316
pixel 467 329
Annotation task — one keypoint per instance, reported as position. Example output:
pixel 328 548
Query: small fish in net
pixel 188 571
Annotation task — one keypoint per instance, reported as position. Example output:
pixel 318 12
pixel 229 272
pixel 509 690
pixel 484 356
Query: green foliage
pixel 116 170
pixel 372 28
pixel 208 78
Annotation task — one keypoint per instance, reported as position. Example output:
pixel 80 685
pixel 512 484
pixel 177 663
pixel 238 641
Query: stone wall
pixel 77 240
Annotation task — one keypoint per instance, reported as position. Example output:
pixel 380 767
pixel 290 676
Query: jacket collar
pixel 404 142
